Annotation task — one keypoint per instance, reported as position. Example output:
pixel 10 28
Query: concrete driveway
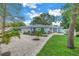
pixel 25 46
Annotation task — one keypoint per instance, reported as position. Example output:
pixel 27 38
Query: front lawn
pixel 56 46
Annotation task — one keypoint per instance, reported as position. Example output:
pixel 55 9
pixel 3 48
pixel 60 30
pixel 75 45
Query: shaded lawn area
pixel 57 46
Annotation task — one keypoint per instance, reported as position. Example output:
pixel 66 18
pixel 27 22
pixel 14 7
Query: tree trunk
pixel 71 30
pixel 3 24
pixel 71 36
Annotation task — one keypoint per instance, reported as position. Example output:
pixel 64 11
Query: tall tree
pixel 3 24
pixel 43 19
pixel 6 35
pixel 72 9
pixel 67 15
pixel 72 26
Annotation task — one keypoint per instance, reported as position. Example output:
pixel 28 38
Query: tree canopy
pixel 67 15
pixel 43 19
pixel 9 11
pixel 16 24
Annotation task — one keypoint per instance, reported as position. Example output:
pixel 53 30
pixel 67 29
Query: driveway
pixel 25 46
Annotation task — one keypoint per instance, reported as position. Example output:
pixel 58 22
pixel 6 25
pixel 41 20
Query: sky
pixel 31 10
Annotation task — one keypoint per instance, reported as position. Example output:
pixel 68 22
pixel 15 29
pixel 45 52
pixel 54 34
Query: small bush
pixel 77 35
pixel 27 32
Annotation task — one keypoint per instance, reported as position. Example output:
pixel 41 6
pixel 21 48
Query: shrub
pixel 26 33
pixel 77 35
pixel 37 33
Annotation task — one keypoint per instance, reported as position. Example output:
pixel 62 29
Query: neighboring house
pixel 31 28
pixel 55 27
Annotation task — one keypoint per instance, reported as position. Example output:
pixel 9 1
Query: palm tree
pixel 6 35
pixel 73 8
pixel 3 24
pixel 72 26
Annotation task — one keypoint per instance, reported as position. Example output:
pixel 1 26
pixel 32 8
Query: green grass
pixel 57 46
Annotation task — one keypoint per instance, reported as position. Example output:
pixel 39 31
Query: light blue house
pixel 54 28
pixel 31 28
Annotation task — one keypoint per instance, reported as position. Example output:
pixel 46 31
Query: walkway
pixel 25 46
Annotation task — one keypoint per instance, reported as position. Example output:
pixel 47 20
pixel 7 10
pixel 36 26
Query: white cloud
pixel 33 14
pixel 32 11
pixel 30 5
pixel 55 12
pixel 27 22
